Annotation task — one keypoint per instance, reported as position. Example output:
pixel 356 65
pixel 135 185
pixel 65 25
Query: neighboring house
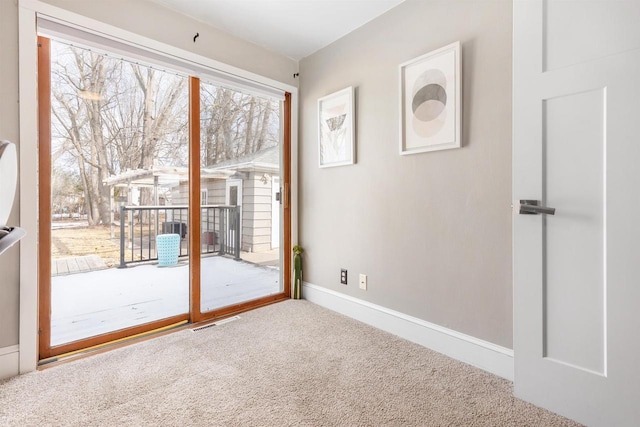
pixel 253 183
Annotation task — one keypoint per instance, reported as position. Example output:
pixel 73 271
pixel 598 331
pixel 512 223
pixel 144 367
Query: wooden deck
pixel 79 264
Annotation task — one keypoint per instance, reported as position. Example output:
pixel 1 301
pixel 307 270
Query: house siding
pixel 256 218
pixel 256 208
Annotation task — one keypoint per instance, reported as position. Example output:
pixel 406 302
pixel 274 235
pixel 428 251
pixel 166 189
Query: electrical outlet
pixel 363 282
pixel 343 276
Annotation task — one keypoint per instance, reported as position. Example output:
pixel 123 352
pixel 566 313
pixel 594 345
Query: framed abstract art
pixel 336 129
pixel 430 101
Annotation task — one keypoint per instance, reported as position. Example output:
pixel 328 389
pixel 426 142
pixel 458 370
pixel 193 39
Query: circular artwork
pixel 428 103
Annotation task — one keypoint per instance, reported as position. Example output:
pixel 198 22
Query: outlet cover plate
pixel 343 276
pixel 363 282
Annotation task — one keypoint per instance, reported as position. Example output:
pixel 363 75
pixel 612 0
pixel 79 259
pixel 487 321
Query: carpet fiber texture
pixel 288 364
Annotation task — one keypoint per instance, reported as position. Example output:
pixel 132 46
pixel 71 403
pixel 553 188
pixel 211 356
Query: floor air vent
pixel 218 323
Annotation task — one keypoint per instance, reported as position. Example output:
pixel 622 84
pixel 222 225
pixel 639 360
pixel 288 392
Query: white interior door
pixel 275 213
pixel 577 149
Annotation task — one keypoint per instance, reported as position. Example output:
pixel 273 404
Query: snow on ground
pixel 97 302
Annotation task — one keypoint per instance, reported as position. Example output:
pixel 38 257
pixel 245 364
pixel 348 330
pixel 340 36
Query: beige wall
pixel 138 16
pixel 432 231
pixel 9 130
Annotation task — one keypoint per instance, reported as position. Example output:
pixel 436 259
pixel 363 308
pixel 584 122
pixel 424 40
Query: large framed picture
pixel 336 129
pixel 430 101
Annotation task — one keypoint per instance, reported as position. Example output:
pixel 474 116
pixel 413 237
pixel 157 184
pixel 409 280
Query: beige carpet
pixel 287 364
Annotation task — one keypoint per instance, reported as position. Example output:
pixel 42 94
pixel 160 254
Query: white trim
pixel 28 149
pixel 28 66
pixel 482 354
pixel 9 361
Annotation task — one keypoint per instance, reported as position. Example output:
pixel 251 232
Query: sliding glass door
pixel 240 150
pixel 118 144
pixel 162 198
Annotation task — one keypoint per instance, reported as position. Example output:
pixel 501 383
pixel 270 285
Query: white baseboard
pixel 482 354
pixel 9 361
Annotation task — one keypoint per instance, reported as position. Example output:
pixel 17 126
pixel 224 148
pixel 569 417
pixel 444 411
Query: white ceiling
pixel 294 28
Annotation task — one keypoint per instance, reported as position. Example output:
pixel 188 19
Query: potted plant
pixel 297 272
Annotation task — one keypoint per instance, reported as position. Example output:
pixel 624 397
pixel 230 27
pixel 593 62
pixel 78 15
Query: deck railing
pixel 139 226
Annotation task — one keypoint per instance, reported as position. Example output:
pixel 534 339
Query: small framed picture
pixel 336 129
pixel 430 101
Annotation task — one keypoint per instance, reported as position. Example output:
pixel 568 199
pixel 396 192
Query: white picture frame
pixel 336 129
pixel 431 101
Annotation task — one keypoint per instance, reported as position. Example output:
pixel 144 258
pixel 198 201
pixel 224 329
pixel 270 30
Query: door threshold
pixel 99 348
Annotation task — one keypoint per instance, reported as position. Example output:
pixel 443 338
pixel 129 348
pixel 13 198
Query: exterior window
pixel 233 196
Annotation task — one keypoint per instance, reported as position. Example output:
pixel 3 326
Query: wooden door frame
pixel 45 350
pixel 194 181
pixel 44 197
